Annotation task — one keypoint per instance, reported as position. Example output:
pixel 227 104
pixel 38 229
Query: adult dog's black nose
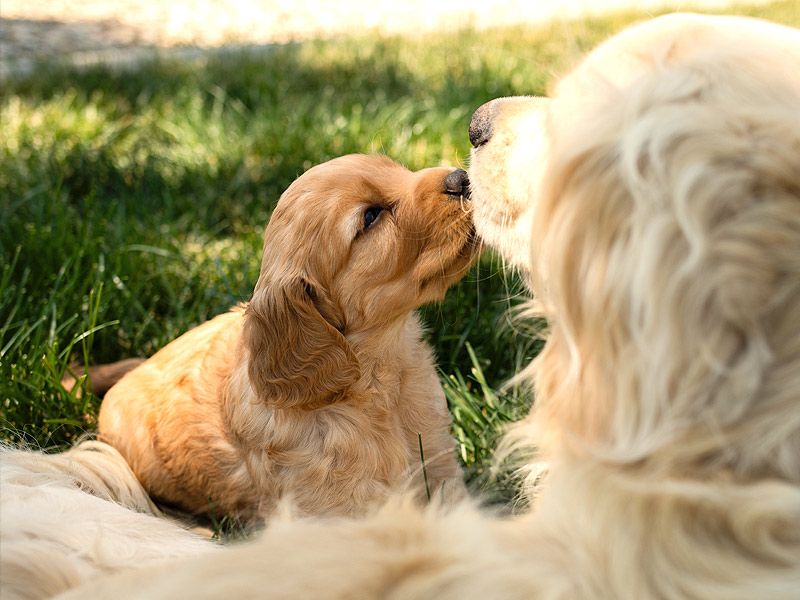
pixel 480 126
pixel 457 183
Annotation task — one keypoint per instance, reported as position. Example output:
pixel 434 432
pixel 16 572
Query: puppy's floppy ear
pixel 296 357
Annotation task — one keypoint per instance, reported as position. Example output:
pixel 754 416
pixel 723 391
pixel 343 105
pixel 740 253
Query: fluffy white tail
pixel 67 518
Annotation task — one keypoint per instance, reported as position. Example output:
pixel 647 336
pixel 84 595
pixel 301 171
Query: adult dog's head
pixel 655 200
pixel 354 245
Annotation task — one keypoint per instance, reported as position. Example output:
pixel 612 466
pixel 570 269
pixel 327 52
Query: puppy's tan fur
pixel 665 227
pixel 319 389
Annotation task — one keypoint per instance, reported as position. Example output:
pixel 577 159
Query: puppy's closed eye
pixel 371 216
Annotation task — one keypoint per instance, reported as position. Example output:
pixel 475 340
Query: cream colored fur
pixel 665 253
pixel 69 518
pixel 665 228
pixel 505 173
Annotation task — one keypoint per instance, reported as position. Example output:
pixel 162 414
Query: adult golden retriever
pixel 319 390
pixel 661 191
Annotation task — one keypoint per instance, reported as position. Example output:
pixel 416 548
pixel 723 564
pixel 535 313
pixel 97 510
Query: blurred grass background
pixel 133 203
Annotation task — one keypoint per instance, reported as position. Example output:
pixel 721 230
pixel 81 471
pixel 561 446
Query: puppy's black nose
pixel 457 182
pixel 480 126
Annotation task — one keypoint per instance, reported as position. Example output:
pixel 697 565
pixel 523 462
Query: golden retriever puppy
pixel 320 389
pixel 663 199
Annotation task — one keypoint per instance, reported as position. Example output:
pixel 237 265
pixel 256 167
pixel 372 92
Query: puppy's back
pixel 165 416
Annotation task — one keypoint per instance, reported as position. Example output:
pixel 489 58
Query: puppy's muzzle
pixel 457 183
pixel 480 126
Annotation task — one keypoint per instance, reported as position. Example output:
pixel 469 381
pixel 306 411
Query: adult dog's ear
pixel 296 357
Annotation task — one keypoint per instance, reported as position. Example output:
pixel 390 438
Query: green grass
pixel 133 204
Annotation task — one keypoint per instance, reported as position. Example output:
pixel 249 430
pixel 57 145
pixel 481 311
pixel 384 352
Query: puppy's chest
pixel 361 434
pixel 348 430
